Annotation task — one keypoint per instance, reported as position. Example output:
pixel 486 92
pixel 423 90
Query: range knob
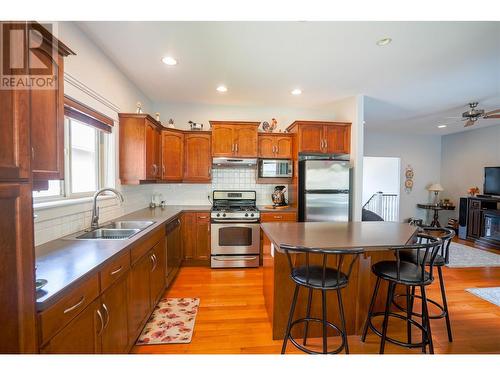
pixel 218 214
pixel 252 215
pixel 246 214
pixel 223 215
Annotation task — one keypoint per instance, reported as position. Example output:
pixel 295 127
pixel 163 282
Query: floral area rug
pixel 172 322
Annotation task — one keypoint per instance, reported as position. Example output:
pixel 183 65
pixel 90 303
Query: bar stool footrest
pixel 419 315
pixel 317 320
pixel 395 341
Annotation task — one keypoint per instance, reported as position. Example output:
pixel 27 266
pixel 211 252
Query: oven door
pixel 235 238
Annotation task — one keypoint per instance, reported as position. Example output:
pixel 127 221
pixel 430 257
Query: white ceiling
pixel 429 71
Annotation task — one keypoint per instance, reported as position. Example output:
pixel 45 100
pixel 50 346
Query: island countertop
pixel 373 235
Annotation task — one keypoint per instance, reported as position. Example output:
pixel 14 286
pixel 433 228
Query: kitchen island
pixel 373 237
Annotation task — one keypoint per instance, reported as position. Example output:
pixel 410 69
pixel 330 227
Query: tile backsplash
pixel 53 223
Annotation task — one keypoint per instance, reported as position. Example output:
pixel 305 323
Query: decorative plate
pixel 409 173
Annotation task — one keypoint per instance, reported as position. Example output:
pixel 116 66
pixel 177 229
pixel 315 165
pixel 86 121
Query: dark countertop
pixel 371 236
pixel 66 261
pixel 288 209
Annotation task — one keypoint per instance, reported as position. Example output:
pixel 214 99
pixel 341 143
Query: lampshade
pixel 435 187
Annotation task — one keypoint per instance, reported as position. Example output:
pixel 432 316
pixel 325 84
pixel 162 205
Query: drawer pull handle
pixel 202 217
pixel 116 271
pixel 101 320
pixel 226 259
pixel 278 217
pixel 74 307
pixel 107 315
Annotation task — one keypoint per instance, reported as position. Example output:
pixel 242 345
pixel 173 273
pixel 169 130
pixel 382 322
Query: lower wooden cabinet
pixel 114 336
pixel 266 217
pixel 196 238
pixel 158 272
pixel 110 321
pixel 80 336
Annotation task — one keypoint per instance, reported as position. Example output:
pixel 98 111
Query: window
pixel 85 144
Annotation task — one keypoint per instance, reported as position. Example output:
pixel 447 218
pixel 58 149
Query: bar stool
pixel 322 278
pixel 442 258
pixel 399 272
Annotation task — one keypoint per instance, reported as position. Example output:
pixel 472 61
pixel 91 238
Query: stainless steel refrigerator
pixel 325 190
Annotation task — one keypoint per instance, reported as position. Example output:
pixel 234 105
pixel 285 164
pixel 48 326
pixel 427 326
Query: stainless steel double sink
pixel 116 230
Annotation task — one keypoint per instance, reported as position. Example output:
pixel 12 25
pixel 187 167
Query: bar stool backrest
pixel 324 253
pixel 446 235
pixel 427 248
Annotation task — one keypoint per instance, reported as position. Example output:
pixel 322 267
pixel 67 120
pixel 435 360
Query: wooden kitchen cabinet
pixel 139 299
pixel 275 145
pixel 114 336
pixel 322 137
pixel 266 217
pixel 139 144
pixel 172 155
pixel 234 138
pixel 47 112
pixel 80 336
pixel 196 238
pixel 158 272
pixel 197 156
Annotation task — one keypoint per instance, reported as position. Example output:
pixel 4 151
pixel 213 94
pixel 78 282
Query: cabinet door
pixel 189 236
pixel 139 300
pixel 47 125
pixel 266 146
pixel 17 270
pixel 158 272
pixel 172 156
pixel 114 338
pixel 198 157
pixel 203 236
pixel 152 151
pixel 222 140
pixel 81 336
pixel 245 138
pixel 284 147
pixel 311 138
pixel 337 138
pixel 15 151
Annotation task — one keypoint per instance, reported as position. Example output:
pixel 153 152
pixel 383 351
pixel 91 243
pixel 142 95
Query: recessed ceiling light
pixel 221 88
pixel 169 60
pixel 442 126
pixel 296 91
pixel 383 42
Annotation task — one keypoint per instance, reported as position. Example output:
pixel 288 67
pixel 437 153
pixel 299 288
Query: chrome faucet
pixel 94 224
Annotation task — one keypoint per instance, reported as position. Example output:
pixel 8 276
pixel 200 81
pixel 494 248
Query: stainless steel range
pixel 235 229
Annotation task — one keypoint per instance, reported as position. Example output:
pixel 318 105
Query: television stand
pixel 483 220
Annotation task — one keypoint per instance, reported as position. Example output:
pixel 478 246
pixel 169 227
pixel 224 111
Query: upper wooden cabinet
pixel 198 157
pixel 322 137
pixel 47 112
pixel 275 145
pixel 234 138
pixel 172 155
pixel 139 144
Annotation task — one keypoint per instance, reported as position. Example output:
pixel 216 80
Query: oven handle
pixel 236 221
pixel 234 258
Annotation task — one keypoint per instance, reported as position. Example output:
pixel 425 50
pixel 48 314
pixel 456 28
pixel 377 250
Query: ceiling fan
pixel 474 114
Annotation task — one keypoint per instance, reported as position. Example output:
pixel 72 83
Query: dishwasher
pixel 174 249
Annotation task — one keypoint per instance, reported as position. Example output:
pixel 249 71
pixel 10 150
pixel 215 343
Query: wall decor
pixel 409 174
pixel 195 125
pixel 138 107
pixel 157 115
pixel 171 123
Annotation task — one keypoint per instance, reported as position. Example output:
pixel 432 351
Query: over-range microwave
pixel 275 168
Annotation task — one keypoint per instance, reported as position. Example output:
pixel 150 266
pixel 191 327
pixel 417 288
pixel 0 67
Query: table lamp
pixel 435 188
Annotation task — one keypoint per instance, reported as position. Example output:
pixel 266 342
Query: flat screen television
pixel 491 181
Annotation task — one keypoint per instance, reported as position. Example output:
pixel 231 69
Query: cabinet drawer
pixel 146 244
pixel 475 205
pixel 278 216
pixel 69 306
pixel 114 270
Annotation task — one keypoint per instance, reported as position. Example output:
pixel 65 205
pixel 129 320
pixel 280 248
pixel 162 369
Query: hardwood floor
pixel 232 318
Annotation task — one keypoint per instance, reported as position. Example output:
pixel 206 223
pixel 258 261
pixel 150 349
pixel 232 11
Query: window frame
pixel 102 151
